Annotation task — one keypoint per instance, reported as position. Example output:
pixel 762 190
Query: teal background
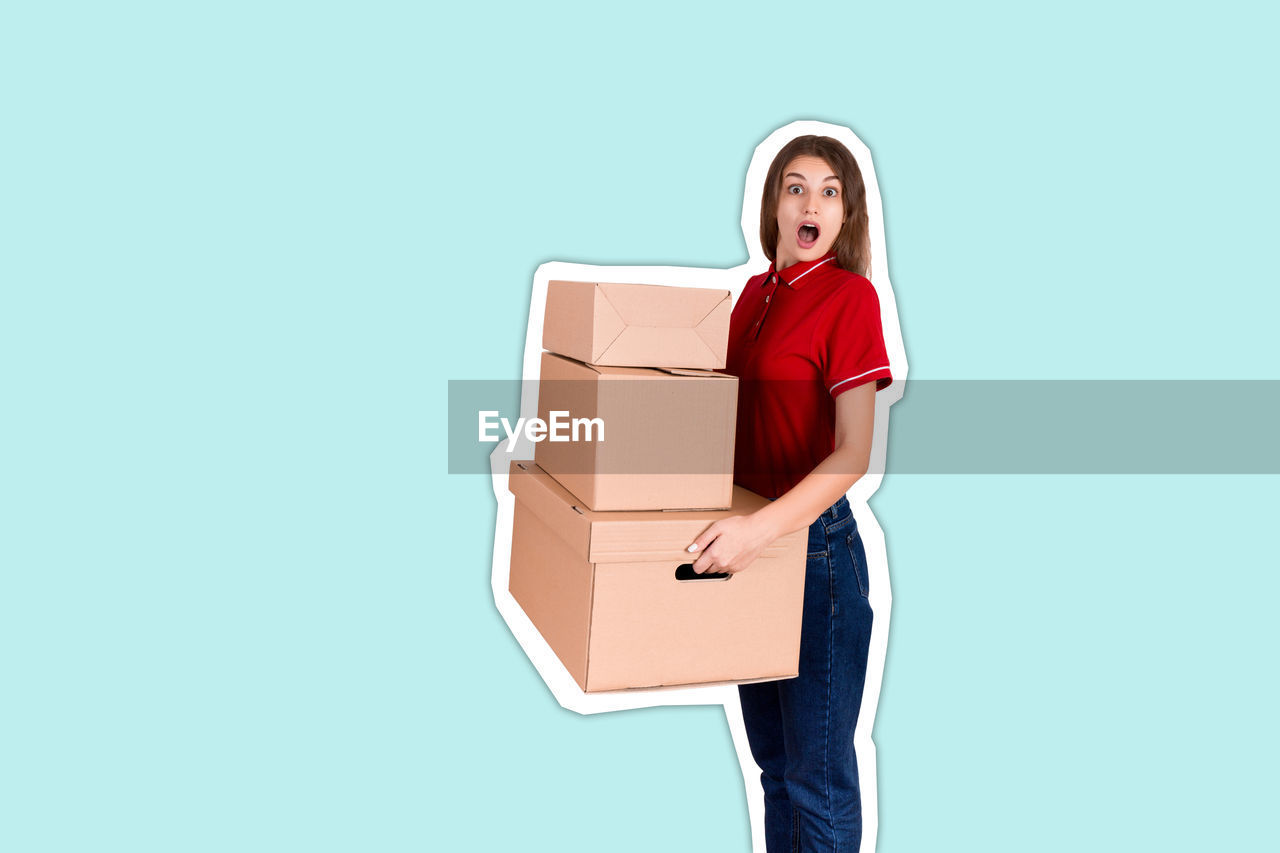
pixel 243 247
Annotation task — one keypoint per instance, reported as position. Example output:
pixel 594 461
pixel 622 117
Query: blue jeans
pixel 801 729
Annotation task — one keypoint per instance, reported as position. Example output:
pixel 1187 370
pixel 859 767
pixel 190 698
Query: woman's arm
pixel 732 544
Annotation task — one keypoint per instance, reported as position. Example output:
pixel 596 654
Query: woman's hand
pixel 731 544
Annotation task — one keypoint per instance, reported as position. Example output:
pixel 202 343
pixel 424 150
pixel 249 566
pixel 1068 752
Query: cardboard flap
pixel 609 324
pixel 647 541
pixel 565 370
pixel 628 536
pixel 692 371
pixel 712 334
pixel 651 542
pixel 677 346
pixel 567 319
pixel 649 536
pixel 551 502
pixel 712 316
pixel 661 305
pixel 557 366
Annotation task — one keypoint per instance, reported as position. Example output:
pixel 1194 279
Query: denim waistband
pixel 837 509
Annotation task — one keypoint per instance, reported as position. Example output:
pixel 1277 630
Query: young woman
pixel 805 341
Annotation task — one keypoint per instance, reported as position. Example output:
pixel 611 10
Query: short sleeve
pixel 849 340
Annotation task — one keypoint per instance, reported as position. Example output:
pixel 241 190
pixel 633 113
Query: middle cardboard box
pixel 664 440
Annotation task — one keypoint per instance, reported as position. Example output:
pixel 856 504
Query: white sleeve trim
pixel 859 376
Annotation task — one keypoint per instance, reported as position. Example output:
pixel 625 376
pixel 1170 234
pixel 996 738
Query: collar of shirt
pixel 796 275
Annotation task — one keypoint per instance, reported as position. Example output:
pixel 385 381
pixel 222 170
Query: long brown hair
pixel 853 243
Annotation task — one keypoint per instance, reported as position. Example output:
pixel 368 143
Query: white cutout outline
pixel 553 673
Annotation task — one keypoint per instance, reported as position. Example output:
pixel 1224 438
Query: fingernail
pixel 692 548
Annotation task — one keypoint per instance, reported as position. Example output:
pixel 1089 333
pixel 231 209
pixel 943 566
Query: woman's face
pixel 810 211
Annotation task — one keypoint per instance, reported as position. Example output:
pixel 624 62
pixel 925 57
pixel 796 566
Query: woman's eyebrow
pixel 802 177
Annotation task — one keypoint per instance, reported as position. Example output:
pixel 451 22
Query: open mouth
pixel 807 235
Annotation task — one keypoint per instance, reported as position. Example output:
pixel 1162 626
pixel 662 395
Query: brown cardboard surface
pixel 669 435
pixel 637 325
pixel 610 607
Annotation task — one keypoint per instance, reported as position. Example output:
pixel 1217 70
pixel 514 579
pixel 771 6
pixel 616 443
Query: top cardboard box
pixel 637 325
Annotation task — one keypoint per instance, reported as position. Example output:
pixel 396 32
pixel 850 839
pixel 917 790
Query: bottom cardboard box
pixel 612 593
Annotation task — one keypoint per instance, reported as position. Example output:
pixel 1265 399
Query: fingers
pixel 708 536
pixel 712 560
pixel 705 561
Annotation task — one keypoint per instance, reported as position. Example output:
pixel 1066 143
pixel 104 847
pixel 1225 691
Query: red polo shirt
pixel 797 340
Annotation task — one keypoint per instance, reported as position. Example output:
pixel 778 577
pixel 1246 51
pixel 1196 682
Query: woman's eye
pixel 794 189
pixel 830 192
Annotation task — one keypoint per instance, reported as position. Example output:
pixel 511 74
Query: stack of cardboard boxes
pixel 598 554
